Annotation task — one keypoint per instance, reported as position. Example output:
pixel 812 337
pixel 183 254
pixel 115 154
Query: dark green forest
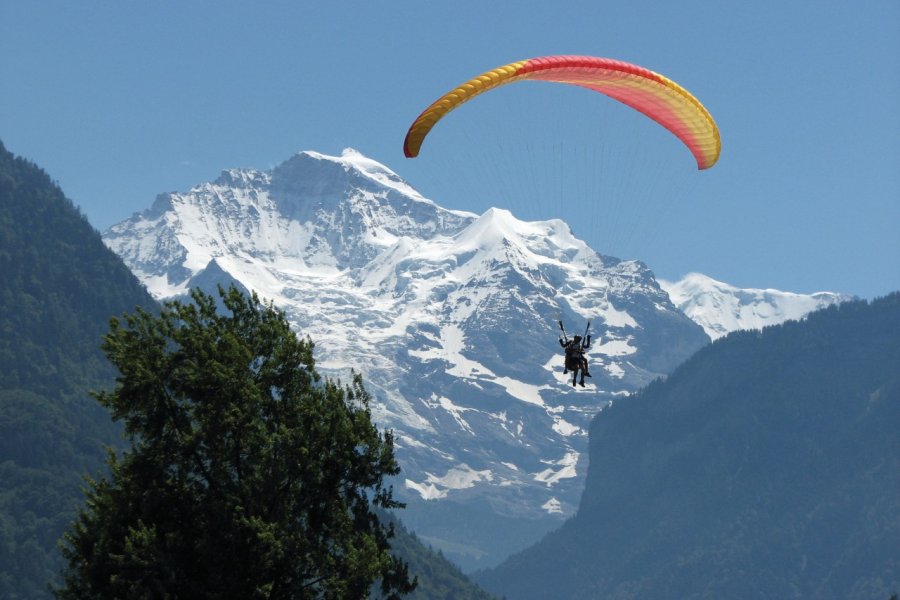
pixel 439 579
pixel 767 466
pixel 59 288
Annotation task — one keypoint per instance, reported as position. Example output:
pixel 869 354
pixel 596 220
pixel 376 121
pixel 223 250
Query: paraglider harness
pixel 575 359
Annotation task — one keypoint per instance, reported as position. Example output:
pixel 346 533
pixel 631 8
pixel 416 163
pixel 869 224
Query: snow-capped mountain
pixel 721 308
pixel 450 316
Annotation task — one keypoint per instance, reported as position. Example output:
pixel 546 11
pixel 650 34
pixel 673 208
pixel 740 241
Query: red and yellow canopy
pixel 656 96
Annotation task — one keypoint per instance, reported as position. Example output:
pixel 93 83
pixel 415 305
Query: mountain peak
pixel 493 226
pixel 721 308
pixel 240 178
pixel 355 163
pixel 450 317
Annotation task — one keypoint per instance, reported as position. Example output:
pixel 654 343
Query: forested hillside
pixel 767 466
pixel 439 579
pixel 60 285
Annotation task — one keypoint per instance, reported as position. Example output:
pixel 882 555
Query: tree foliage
pixel 249 476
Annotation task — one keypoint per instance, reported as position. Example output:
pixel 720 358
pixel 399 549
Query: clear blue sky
pixel 120 101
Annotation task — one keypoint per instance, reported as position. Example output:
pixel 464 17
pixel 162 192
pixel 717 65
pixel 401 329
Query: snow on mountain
pixel 721 308
pixel 451 317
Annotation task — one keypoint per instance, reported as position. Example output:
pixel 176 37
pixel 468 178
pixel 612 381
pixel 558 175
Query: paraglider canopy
pixel 654 95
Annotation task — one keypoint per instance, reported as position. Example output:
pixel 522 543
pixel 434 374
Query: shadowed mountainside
pixel 766 466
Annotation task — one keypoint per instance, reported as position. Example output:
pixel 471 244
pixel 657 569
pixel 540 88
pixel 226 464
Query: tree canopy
pixel 249 476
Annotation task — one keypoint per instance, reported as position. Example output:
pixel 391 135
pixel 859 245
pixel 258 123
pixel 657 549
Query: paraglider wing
pixel 654 95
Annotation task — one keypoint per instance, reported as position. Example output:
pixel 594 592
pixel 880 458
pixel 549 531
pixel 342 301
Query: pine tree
pixel 248 476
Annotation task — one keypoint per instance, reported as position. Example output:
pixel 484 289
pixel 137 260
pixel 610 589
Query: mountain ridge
pixel 450 316
pixel 721 308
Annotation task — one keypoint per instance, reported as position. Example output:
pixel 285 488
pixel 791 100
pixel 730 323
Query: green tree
pixel 248 475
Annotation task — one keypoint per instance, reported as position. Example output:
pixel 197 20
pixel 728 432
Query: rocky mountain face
pixel 450 316
pixel 721 308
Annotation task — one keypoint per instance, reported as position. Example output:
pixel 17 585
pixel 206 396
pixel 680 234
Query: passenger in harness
pixel 575 358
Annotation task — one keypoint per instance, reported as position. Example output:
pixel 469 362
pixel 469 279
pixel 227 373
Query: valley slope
pixel 766 466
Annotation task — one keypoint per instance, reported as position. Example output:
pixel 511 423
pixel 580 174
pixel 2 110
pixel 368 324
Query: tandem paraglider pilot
pixel 575 358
